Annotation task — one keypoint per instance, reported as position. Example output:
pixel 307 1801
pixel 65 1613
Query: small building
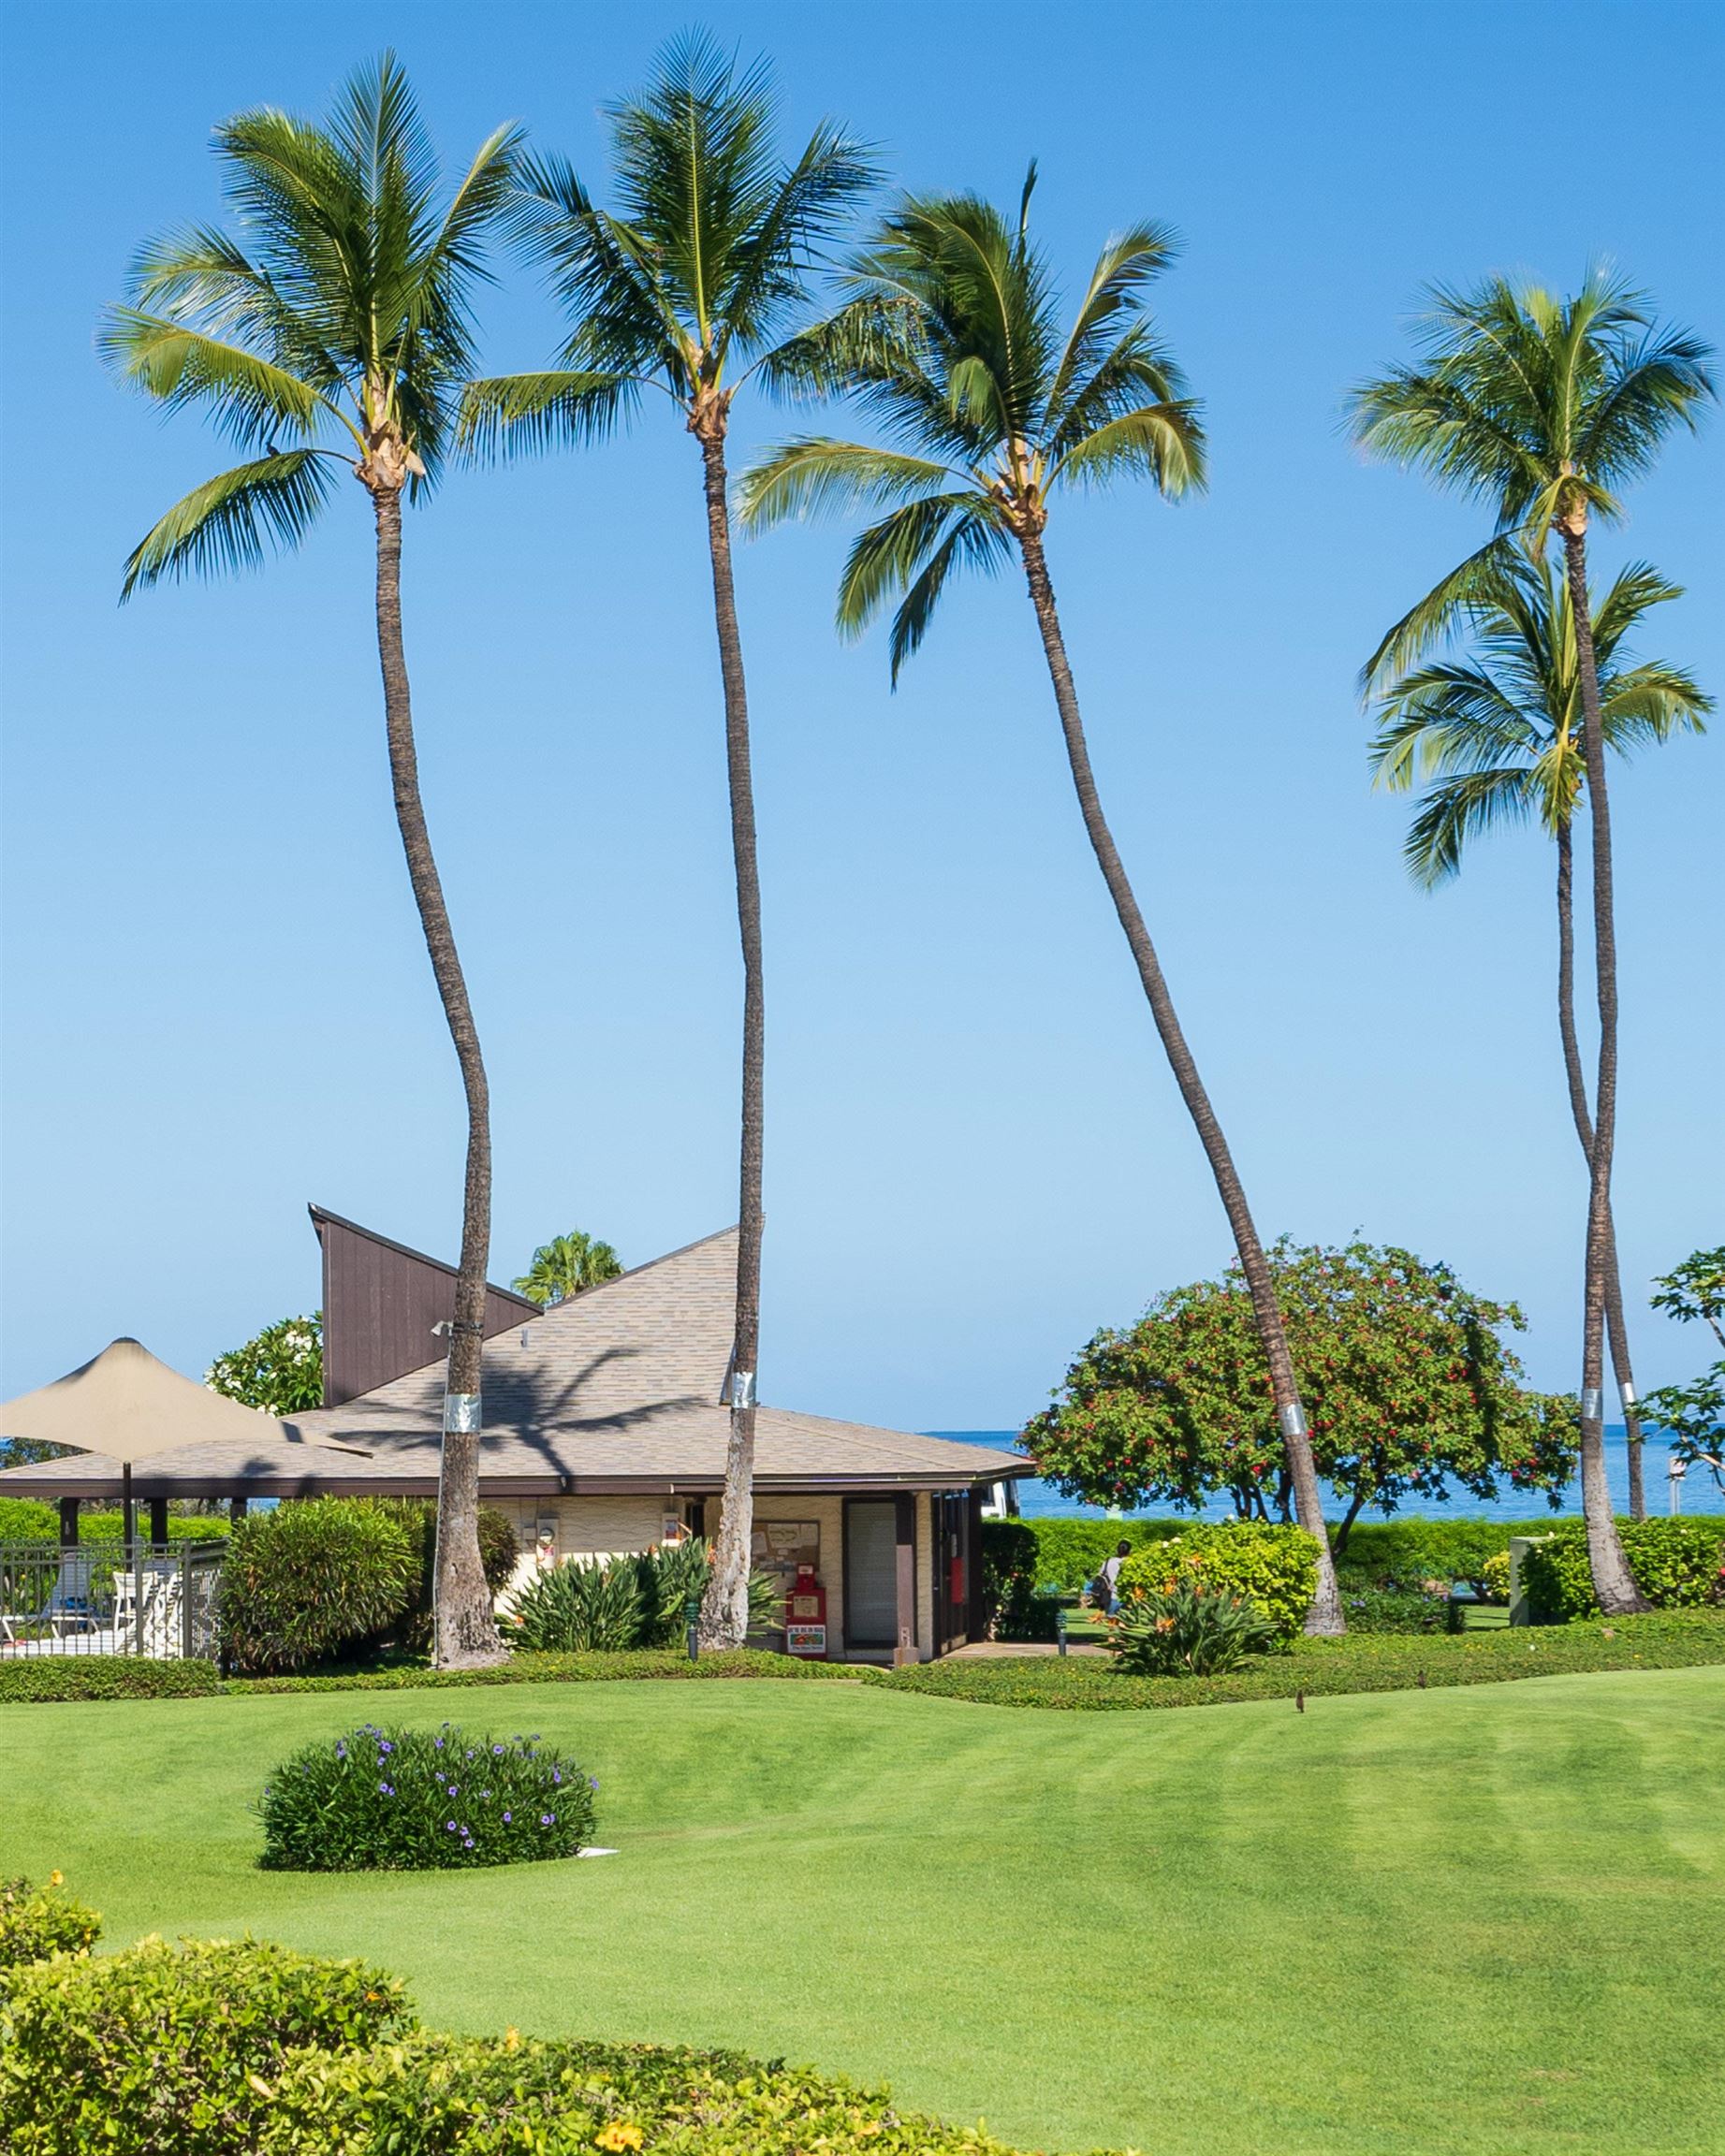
pixel 605 1432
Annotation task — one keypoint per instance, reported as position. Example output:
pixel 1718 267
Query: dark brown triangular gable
pixel 381 1301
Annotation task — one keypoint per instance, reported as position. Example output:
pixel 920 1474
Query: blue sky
pixel 217 1004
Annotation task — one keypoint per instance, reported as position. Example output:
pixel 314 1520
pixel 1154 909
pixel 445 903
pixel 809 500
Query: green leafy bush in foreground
pixel 1666 1639
pixel 173 2050
pixel 1677 1565
pixel 1272 1566
pixel 1189 1630
pixel 214 2049
pixel 36 1922
pixel 303 1581
pixel 376 1799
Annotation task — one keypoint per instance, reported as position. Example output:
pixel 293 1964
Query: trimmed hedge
pixel 215 2047
pixel 1398 1609
pixel 1666 1639
pixel 311 1578
pixel 526 1668
pixel 33 1520
pixel 1678 1564
pixel 1404 1554
pixel 1274 1567
pixel 53 1676
pixel 163 2049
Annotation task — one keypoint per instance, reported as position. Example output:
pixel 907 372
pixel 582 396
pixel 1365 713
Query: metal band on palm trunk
pixel 462 1413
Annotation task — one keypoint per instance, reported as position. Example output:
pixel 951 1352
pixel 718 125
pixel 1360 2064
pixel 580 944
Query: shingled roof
pixel 617 1390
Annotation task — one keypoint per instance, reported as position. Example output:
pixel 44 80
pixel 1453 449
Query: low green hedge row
pixel 1071 1552
pixel 55 1677
pixel 216 2046
pixel 29 1520
pixel 50 1677
pixel 1677 1565
pixel 1275 1568
pixel 1666 1639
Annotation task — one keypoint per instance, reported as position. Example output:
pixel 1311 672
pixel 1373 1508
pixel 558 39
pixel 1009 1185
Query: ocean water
pixel 1698 1492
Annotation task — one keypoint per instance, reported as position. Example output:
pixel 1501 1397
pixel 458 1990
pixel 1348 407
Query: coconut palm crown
pixel 332 327
pixel 951 340
pixel 1494 734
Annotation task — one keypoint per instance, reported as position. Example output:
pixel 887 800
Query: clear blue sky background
pixel 216 1004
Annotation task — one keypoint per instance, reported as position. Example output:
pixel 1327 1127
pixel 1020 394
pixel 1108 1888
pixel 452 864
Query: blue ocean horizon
pixel 1038 1500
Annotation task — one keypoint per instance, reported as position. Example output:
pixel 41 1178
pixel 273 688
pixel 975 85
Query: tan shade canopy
pixel 129 1407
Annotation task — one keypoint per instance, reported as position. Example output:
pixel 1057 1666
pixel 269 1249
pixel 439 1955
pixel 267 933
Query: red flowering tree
pixel 1409 1382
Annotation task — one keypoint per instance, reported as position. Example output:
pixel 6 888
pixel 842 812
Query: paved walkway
pixel 994 1650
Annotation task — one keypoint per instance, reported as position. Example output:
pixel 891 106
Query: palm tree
pixel 1543 405
pixel 338 309
pixel 1501 738
pixel 688 289
pixel 565 1265
pixel 951 338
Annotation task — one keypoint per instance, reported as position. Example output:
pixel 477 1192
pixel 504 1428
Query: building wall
pixel 591 1527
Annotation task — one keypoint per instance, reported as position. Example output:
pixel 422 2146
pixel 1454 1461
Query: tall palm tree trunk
pixel 725 1611
pixel 1612 1582
pixel 1326 1614
pixel 466 1630
pixel 1617 1331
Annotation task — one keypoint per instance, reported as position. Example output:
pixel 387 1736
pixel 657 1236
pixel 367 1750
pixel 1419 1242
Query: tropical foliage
pixel 1692 1416
pixel 279 1370
pixel 1187 1629
pixel 565 1265
pixel 1271 1567
pixel 616 1604
pixel 1410 1386
pixel 1677 1565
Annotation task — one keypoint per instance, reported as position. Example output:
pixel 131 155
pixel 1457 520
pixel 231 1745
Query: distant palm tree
pixel 1501 736
pixel 566 1264
pixel 1541 406
pixel 951 339
pixel 338 307
pixel 688 290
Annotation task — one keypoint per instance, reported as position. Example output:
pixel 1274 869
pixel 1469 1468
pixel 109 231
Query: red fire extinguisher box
pixel 805 1616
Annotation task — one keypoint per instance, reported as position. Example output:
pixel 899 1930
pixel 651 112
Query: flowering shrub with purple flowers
pixel 380 1799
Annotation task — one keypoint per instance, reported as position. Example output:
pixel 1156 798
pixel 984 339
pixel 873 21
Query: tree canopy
pixel 1409 1384
pixel 564 1265
pixel 1692 1416
pixel 280 1370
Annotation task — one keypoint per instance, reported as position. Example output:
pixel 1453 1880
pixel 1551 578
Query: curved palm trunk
pixel 1327 1614
pixel 1617 1331
pixel 1613 1583
pixel 725 1608
pixel 466 1630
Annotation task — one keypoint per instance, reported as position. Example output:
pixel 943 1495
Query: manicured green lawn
pixel 1484 1920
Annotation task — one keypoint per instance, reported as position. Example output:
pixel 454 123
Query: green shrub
pixel 37 1922
pixel 378 1800
pixel 526 1666
pixel 172 2051
pixel 1009 1559
pixel 1677 1565
pixel 436 2095
pixel 1274 1567
pixel 1396 1610
pixel 1071 1552
pixel 577 1608
pixel 28 1519
pixel 50 1676
pixel 1187 1631
pixel 1495 1576
pixel 311 1578
pixel 411 1626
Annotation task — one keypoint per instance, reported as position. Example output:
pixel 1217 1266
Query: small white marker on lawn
pixel 598 1851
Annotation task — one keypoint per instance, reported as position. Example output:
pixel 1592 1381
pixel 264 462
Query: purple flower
pixel 556 1777
pixel 448 1826
pixel 385 1787
pixel 508 1816
pixel 547 1818
pixel 498 1749
pixel 438 1741
pixel 452 1790
pixel 592 1780
pixel 340 1751
pixel 384 1744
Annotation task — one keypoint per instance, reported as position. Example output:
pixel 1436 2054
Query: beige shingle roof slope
pixel 622 1384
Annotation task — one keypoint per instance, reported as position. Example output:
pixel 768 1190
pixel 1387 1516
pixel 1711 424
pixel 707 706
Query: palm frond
pixel 1442 613
pixel 249 399
pixel 813 474
pixel 891 555
pixel 225 523
pixel 515 413
pixel 1462 808
pixel 974 540
pixel 1126 264
pixel 1161 443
